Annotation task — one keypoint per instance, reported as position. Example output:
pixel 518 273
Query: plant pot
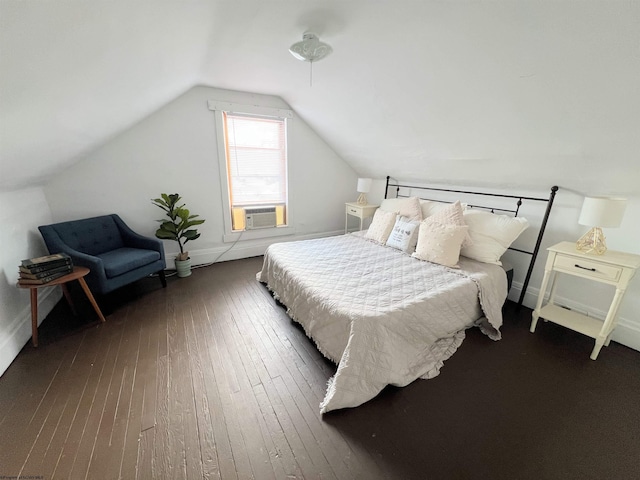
pixel 183 267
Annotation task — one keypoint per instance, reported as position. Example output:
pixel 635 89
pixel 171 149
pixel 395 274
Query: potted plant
pixel 178 228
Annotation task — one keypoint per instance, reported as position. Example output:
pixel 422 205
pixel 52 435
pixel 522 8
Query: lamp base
pixel 592 242
pixel 362 199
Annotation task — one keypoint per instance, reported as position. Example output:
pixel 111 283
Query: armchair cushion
pixel 122 260
pixel 114 254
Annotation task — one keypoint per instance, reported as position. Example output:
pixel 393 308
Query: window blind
pixel 256 159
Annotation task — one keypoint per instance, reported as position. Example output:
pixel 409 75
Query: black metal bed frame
pixel 519 198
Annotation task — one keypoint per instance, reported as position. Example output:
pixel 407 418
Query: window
pixel 256 153
pixel 252 142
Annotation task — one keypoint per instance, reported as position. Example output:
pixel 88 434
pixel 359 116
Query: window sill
pixel 258 234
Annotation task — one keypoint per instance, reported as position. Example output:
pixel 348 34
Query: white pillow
pixel 404 235
pixel 451 214
pixel 381 226
pixel 491 234
pixel 439 243
pixel 391 204
pixel 429 207
pixel 407 207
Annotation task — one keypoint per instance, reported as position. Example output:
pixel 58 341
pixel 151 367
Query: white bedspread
pixel 381 315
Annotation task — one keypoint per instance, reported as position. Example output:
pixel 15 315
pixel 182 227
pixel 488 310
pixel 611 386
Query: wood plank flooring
pixel 209 378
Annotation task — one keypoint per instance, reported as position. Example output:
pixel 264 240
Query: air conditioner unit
pixel 259 217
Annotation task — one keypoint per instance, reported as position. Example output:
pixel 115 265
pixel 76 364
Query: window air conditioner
pixel 259 217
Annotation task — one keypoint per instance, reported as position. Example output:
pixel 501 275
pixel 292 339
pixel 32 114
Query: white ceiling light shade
pixel 310 49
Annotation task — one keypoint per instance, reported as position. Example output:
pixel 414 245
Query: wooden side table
pixel 360 211
pixel 77 274
pixel 611 268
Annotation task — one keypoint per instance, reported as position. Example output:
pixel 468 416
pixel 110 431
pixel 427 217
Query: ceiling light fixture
pixel 310 49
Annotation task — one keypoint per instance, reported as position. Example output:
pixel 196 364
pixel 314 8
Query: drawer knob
pixel 585 268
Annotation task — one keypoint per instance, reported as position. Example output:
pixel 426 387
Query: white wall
pixel 581 295
pixel 175 150
pixel 21 212
pixel 172 150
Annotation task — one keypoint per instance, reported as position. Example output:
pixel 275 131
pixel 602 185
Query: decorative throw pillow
pixel 381 226
pixel 391 204
pixel 491 235
pixel 404 235
pixel 439 243
pixel 451 215
pixel 407 207
pixel 430 207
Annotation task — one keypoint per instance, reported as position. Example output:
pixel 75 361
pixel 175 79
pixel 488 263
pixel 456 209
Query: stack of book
pixel 41 270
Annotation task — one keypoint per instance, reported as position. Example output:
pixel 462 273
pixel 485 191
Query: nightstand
pixel 611 268
pixel 359 211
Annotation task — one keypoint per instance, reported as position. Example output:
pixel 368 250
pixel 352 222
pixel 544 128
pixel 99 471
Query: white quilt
pixel 381 315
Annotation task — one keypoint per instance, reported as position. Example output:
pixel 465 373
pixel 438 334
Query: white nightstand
pixel 360 211
pixel 612 268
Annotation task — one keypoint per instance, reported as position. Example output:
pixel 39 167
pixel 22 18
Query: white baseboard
pixel 19 332
pixel 626 333
pixel 11 342
pixel 252 248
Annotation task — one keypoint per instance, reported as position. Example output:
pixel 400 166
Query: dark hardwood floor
pixel 209 378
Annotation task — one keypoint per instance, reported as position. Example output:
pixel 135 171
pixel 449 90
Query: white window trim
pixel 229 235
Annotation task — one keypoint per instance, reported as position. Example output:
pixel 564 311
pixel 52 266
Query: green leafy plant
pixel 180 223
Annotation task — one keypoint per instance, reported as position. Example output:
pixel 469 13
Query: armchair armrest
pixel 135 240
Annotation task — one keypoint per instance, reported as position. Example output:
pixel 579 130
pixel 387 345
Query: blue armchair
pixel 114 253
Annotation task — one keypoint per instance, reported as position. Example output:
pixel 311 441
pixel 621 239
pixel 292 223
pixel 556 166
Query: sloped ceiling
pixel 506 92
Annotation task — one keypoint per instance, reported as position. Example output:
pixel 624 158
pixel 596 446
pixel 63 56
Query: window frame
pixel 229 234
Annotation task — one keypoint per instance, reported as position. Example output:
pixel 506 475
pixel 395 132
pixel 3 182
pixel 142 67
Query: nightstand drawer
pixel 587 268
pixel 358 211
pixel 354 211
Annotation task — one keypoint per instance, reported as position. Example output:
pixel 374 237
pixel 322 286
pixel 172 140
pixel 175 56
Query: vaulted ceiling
pixel 505 92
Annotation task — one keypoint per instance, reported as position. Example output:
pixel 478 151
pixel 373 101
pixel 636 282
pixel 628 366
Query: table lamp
pixel 364 185
pixel 598 212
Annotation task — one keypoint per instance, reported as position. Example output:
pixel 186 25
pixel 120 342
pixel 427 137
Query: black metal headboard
pixel 518 203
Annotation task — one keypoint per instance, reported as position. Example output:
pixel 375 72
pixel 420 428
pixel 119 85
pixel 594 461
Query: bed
pixel 382 315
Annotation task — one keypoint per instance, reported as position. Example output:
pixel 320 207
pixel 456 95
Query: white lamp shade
pixel 364 185
pixel 602 211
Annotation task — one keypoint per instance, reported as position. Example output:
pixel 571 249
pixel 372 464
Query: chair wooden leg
pixel 163 278
pixel 34 316
pixel 87 292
